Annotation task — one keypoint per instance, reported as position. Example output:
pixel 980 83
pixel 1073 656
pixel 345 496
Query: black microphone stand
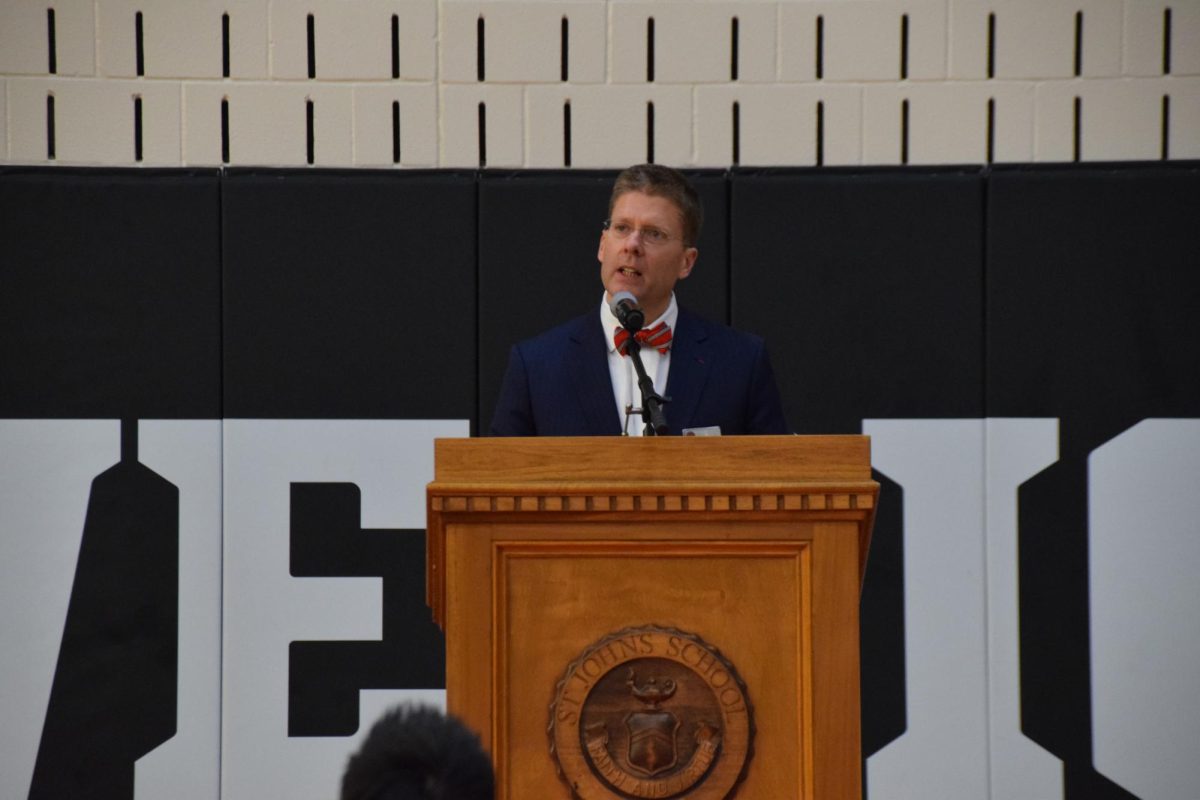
pixel 652 401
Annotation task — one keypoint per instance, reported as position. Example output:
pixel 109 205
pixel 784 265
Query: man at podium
pixel 578 379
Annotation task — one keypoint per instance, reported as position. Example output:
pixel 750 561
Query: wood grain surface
pixel 538 548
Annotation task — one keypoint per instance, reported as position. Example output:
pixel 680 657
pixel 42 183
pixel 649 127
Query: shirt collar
pixel 608 320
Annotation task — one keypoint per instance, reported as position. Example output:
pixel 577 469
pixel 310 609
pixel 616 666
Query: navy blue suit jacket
pixel 558 384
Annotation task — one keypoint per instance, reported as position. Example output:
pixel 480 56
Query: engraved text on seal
pixel 651 712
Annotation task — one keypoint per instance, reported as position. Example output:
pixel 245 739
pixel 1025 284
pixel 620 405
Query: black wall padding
pixel 1093 300
pixel 324 677
pixel 538 234
pixel 538 238
pixel 349 295
pixel 868 288
pixel 1094 294
pixel 706 290
pixel 867 285
pixel 109 305
pixel 882 664
pixel 114 694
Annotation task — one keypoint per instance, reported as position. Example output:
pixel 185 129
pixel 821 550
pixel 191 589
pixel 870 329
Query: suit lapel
pixel 588 368
pixel 690 365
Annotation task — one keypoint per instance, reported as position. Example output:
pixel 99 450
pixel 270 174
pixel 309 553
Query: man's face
pixel 643 251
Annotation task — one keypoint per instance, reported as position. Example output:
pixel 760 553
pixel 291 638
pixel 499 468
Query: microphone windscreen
pixel 623 297
pixel 625 309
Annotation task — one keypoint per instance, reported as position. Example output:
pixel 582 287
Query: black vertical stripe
pixel 1166 127
pixel 820 47
pixel 51 42
pixel 567 133
pixel 129 440
pixel 650 50
pixel 991 46
pixel 482 135
pixel 991 129
pixel 1167 41
pixel 479 49
pixel 311 143
pixel 312 47
pixel 395 45
pixel 225 130
pixel 395 131
pixel 733 49
pixel 903 46
pixel 565 37
pixel 139 44
pixel 137 128
pixel 224 45
pixel 1078 43
pixel 904 132
pixel 820 133
pixel 650 133
pixel 1076 136
pixel 737 133
pixel 50 155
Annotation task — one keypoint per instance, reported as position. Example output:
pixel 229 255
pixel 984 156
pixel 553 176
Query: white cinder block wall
pixel 596 83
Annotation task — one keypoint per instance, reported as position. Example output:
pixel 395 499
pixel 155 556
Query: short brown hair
pixel 660 181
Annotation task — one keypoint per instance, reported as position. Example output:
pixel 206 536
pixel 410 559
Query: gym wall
pixel 222 364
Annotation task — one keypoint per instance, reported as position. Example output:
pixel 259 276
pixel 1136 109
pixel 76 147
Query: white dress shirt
pixel 624 376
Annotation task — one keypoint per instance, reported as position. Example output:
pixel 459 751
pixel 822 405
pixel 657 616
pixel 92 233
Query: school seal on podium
pixel 651 712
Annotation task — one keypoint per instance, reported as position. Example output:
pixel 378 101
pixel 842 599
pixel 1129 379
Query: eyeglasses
pixel 652 237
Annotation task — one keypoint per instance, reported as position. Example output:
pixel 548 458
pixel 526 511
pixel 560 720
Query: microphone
pixel 625 309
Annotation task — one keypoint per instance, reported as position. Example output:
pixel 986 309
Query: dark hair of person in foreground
pixel 418 753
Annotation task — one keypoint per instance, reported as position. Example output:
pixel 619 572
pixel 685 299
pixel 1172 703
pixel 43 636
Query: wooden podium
pixel 673 617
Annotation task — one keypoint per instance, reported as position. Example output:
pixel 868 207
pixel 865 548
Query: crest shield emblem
pixel 677 731
pixel 652 741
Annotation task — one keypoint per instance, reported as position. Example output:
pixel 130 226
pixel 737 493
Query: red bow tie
pixel 659 337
